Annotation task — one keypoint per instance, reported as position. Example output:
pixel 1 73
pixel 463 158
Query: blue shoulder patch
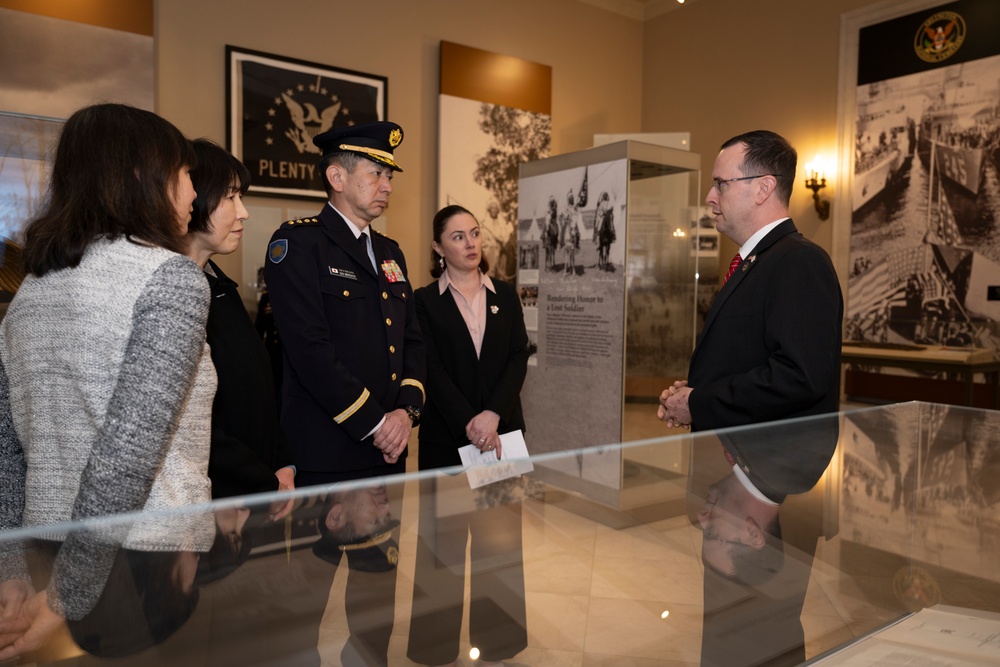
pixel 278 250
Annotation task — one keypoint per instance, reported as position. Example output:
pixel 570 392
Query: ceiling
pixel 638 9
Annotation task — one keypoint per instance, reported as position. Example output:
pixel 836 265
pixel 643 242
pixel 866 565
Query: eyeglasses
pixel 717 183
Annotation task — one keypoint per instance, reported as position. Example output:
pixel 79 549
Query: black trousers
pixel 452 514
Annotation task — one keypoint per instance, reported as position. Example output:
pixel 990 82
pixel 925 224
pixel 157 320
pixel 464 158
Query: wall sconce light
pixel 816 181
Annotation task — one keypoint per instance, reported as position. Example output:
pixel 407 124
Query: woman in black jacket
pixel 477 357
pixel 249 453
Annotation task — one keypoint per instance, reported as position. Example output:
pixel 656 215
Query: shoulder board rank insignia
pixel 391 240
pixel 277 251
pixel 299 223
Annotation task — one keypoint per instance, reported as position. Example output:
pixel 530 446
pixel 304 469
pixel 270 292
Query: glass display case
pixel 820 534
pixel 612 249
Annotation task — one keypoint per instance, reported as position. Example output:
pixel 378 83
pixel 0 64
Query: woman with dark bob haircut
pixel 249 453
pixel 106 382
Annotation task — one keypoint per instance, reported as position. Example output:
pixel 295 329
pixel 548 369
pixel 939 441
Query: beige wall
pixel 718 68
pixel 713 68
pixel 596 58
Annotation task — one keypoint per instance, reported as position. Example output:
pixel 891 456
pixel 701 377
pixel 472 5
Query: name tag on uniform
pixel 392 272
pixel 343 273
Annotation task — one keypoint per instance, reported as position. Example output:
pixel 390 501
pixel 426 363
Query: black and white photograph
pixel 529 304
pixel 528 258
pixel 481 146
pixel 579 221
pixel 704 237
pixel 933 464
pixel 529 296
pixel 277 105
pixel 925 225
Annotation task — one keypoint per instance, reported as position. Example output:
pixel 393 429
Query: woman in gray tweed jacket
pixel 106 383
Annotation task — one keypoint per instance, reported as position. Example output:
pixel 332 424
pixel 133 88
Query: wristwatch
pixel 413 412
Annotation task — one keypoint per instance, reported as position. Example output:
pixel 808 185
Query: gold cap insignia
pixel 395 137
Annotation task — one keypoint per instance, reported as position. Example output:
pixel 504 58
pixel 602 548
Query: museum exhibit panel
pixel 871 529
pixel 617 265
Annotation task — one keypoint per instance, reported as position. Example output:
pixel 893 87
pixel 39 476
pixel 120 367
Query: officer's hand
pixel 392 436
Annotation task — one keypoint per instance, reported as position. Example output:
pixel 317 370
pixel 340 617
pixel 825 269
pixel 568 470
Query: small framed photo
pixel 275 106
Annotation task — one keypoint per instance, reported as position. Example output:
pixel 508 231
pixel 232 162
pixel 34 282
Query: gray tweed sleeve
pixel 12 472
pixel 158 369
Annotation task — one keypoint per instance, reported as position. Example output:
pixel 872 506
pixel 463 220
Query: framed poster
pixel 275 106
pixel 921 128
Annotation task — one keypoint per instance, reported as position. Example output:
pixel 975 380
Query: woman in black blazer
pixel 249 453
pixel 477 357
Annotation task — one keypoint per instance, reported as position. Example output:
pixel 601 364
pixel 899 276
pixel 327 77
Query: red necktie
pixel 732 267
pixel 729 457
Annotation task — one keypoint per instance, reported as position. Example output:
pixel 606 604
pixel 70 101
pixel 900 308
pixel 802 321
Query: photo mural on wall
pixel 480 159
pixel 489 124
pixel 925 224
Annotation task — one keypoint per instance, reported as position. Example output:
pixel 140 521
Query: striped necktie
pixel 732 267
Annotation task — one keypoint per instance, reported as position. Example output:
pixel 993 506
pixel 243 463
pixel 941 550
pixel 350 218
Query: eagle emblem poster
pixel 277 105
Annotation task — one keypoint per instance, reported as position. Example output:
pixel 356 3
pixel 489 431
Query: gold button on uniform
pixel 392 349
pixel 388 321
pixel 385 295
pixel 393 377
pixel 347 293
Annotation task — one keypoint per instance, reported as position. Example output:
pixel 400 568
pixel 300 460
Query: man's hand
pixel 393 435
pixel 673 408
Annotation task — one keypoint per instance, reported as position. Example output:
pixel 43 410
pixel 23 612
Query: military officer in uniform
pixel 352 387
pixel 354 357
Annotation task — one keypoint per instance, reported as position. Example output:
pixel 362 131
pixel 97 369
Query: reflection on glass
pixel 818 533
pixel 757 567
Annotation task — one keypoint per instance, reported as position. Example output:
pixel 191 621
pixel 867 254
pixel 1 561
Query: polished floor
pixel 597 592
pixel 623 585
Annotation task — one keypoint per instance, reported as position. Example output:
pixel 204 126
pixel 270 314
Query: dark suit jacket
pixel 770 347
pixel 353 349
pixel 248 445
pixel 459 386
pixel 760 625
pixel 787 458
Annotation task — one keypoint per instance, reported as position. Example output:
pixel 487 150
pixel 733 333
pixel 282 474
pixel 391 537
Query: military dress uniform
pixel 353 352
pixel 352 344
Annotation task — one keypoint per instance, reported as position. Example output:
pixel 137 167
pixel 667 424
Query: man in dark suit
pixel 761 520
pixel 770 346
pixel 352 386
